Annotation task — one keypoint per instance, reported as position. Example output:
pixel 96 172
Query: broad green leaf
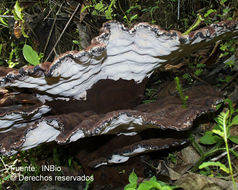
pixel 30 55
pixel 209 138
pixel 218 164
pixel 234 139
pixel 235 120
pixel 18 11
pixel 133 178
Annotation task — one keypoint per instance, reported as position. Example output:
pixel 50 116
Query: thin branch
pixel 51 30
pixel 222 155
pixel 76 9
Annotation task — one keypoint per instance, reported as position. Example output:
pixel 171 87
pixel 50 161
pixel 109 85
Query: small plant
pixel 129 15
pixel 183 98
pixel 172 158
pixel 151 95
pixel 88 182
pixel 188 78
pixel 199 69
pixel 151 184
pixel 221 132
pixel 101 8
pixel 78 44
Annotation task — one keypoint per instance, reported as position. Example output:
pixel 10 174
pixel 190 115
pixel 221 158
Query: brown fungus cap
pixel 166 113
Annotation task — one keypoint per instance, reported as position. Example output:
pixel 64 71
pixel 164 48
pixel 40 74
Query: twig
pixel 46 17
pixel 222 155
pixel 232 79
pixel 76 9
pixel 51 30
pixel 202 81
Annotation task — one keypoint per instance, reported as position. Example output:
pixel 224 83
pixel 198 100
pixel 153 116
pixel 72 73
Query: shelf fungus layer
pixel 117 53
pixel 165 114
pixel 98 91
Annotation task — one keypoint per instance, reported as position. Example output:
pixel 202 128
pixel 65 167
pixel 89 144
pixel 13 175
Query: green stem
pixel 197 146
pixel 180 91
pixel 229 162
pixel 195 24
pixel 204 156
pixel 227 147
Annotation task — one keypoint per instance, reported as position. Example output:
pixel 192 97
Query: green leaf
pixel 30 55
pixel 222 1
pixel 3 22
pixel 218 164
pixel 208 138
pixel 23 31
pixel 133 17
pixel 144 186
pixel 133 178
pixel 0 49
pixel 231 108
pixel 148 185
pixel 76 42
pixel 234 153
pixel 234 139
pixel 108 13
pixel 210 11
pixel 18 11
pixel 218 106
pixel 218 132
pixel 226 10
pixel 235 120
pixel 84 8
pixel 198 72
pixel 69 162
pixel 130 187
pixel 99 6
pixel 7 177
pixel 167 188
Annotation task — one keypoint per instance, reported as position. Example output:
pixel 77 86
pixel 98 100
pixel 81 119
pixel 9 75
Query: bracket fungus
pixel 97 91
